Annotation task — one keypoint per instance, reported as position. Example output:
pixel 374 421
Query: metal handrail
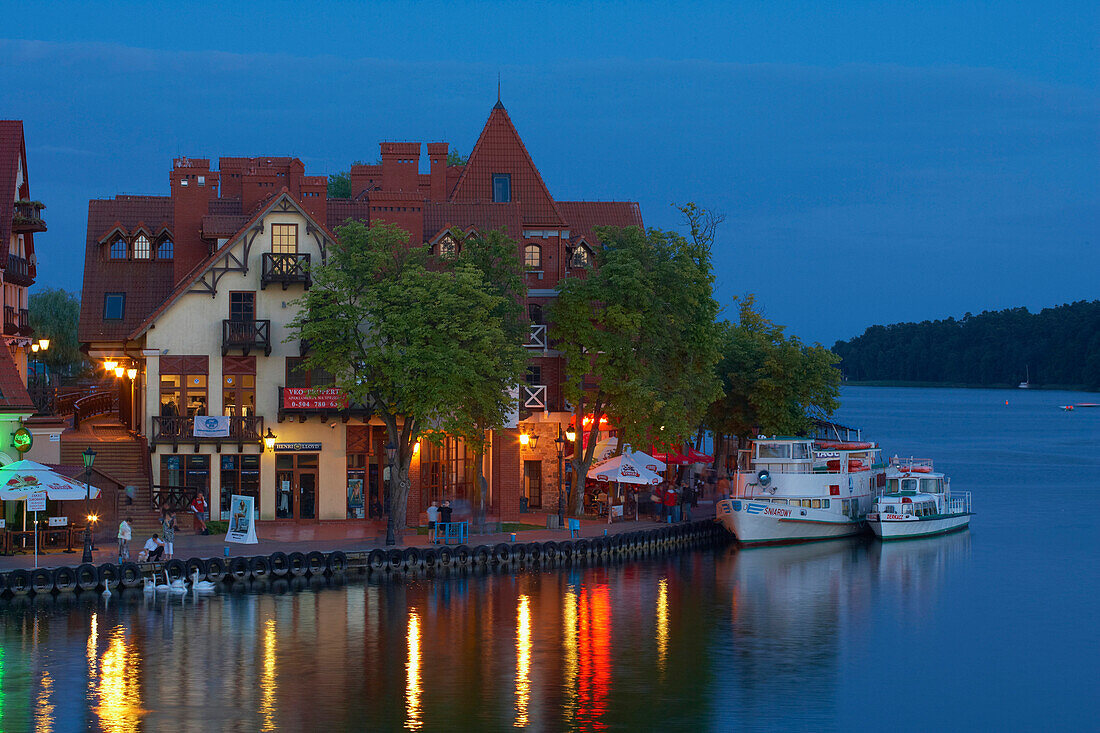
pixel 181 429
pixel 176 498
pixel 96 403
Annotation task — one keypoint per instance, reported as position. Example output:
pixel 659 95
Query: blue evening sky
pixel 876 161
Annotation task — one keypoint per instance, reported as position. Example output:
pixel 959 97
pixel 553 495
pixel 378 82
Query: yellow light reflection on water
pixel 523 661
pixel 93 654
pixel 43 710
pixel 412 675
pixel 119 685
pixel 267 679
pixel 662 623
pixel 569 621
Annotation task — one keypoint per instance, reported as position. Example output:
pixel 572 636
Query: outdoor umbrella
pixel 626 469
pixel 21 479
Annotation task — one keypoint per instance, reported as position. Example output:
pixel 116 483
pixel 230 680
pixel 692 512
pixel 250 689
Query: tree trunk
pixel 480 487
pixel 582 457
pixel 398 485
pixel 719 464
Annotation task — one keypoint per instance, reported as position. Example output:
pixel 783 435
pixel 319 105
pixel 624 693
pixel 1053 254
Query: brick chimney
pixel 400 166
pixel 437 153
pixel 193 185
pixel 314 197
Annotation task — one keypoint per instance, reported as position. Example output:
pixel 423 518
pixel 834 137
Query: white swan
pixel 147 585
pixel 163 587
pixel 175 586
pixel 200 585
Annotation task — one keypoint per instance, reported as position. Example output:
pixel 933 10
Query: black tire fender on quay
pixel 446 557
pixel 396 559
pixel 215 570
pixel 481 555
pixel 130 575
pixel 315 562
pixel 3 583
pixel 259 566
pixel 431 557
pixel 518 551
pixel 550 550
pixel 502 553
pixel 566 548
pixel 296 562
pixel 534 552
pixel 280 564
pixel 64 579
pixel 336 562
pixel 175 569
pixel 19 581
pixel 41 580
pixel 195 565
pixel 109 575
pixel 463 556
pixel 413 557
pixel 376 560
pixel 87 576
pixel 238 567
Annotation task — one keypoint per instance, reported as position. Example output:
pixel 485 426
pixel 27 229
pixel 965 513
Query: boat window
pixel 892 486
pixel 825 503
pixel 806 503
pixel 844 505
pixel 931 485
pixel 774 450
pixel 800 450
pixel 891 509
pixel 908 484
pixel 817 503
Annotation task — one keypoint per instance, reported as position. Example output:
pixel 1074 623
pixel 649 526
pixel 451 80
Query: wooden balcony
pixel 285 269
pixel 11 321
pixel 176 498
pixel 246 336
pixel 305 402
pixel 24 320
pixel 534 397
pixel 28 217
pixel 18 271
pixel 176 429
pixel 536 337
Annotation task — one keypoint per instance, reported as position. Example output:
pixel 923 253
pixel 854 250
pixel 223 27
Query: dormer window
pixel 502 188
pixel 532 257
pixel 284 238
pixel 141 247
pixel 118 249
pixel 448 248
pixel 164 251
pixel 581 258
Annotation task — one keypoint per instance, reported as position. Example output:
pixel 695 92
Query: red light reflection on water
pixel 593 656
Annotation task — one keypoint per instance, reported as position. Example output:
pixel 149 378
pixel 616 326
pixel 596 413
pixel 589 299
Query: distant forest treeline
pixel 1061 346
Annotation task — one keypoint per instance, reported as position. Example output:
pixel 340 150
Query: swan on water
pixel 197 584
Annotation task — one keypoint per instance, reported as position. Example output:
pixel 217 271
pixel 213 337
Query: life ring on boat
pixel 839 445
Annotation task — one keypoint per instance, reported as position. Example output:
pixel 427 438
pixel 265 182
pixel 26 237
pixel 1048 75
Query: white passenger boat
pixel 802 489
pixel 918 502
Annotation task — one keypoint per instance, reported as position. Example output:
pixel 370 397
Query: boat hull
pixel 922 527
pixel 759 523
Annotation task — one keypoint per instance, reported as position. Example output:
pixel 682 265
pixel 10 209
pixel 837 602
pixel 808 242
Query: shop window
pixel 118 249
pixel 242 307
pixel 141 247
pixel 446 471
pixel 239 395
pixel 114 306
pixel 532 257
pixel 183 395
pixel 164 251
pixel 502 188
pixel 181 469
pixel 240 475
pixel 284 238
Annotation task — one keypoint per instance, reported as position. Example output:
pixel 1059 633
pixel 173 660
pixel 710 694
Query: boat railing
pixel 957 503
pixel 909 464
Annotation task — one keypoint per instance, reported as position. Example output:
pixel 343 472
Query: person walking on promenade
pixel 198 508
pixel 659 502
pixel 687 498
pixel 670 504
pixel 724 487
pixel 124 534
pixel 168 526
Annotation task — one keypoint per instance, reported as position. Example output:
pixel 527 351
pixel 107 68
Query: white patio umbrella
pixel 625 468
pixel 21 479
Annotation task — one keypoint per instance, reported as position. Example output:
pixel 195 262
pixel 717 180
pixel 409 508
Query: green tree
pixel 54 314
pixel 456 158
pixel 420 340
pixel 637 337
pixel 339 184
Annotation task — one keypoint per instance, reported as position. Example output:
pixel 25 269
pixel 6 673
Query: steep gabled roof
pixel 499 149
pixel 203 267
pixel 439 216
pixel 11 154
pixel 13 395
pixel 584 216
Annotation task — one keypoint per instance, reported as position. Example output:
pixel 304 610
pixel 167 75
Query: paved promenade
pixel 329 537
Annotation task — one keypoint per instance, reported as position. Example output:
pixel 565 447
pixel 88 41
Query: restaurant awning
pixel 21 479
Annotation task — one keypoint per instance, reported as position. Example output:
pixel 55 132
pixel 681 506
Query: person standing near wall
pixel 168 525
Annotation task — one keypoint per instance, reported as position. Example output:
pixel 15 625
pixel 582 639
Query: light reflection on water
pixel 523 661
pixel 412 674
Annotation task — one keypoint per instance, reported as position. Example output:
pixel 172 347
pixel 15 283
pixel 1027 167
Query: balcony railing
pixel 304 402
pixel 25 322
pixel 536 337
pixel 94 403
pixel 18 271
pixel 246 335
pixel 533 396
pixel 28 217
pixel 176 498
pixel 177 429
pixel 11 321
pixel 286 269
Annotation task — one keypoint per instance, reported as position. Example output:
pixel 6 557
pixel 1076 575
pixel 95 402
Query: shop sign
pixel 59 521
pixel 307 398
pixel 36 502
pixel 22 440
pixel 297 447
pixel 242 520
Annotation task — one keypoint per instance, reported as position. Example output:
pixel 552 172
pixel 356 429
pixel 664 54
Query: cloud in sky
pixel 855 193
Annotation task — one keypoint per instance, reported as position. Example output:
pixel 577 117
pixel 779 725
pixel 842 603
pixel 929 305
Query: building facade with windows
pixel 192 294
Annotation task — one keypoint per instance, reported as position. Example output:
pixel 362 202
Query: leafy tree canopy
pixel 339 184
pixel 456 158
pixel 54 314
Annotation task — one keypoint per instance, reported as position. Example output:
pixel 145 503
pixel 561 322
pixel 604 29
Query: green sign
pixel 22 440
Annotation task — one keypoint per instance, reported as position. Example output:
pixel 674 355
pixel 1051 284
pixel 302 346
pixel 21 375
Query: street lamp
pixel 570 436
pixel 391 455
pixel 89 459
pixel 109 365
pixel 43 344
pixel 269 440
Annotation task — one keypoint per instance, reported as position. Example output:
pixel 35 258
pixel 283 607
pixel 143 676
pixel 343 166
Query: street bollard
pixel 512 537
pixel 225 551
pixel 605 532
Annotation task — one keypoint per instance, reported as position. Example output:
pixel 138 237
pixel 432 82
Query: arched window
pixel 532 257
pixel 582 257
pixel 141 247
pixel 118 249
pixel 448 247
pixel 164 251
pixel 534 313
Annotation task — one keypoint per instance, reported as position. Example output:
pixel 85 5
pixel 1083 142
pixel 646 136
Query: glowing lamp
pixel 43 344
pixel 570 435
pixel 416 448
pixel 109 364
pixel 269 440
pixel 119 371
pixel 524 438
pixel 131 372
pixel 34 348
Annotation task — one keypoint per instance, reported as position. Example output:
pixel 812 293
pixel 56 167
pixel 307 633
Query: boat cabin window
pixel 825 503
pixel 817 503
pixel 891 509
pixel 773 450
pixel 931 485
pixel 800 451
pixel 909 484
pixel 806 503
pixel 892 486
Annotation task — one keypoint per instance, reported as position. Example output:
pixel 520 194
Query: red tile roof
pixel 340 210
pixel 216 226
pixel 145 282
pixel 584 216
pixel 11 149
pixel 500 150
pixel 439 216
pixel 13 395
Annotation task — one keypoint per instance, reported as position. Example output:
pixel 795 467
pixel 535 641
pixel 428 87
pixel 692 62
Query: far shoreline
pixel 960 385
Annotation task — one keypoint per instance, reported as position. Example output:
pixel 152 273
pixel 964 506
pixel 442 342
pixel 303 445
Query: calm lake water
pixel 993 628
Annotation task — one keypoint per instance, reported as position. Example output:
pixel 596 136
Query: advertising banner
pixel 242 521
pixel 307 398
pixel 211 426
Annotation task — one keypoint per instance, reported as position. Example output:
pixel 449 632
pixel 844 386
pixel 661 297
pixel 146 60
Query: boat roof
pixel 893 472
